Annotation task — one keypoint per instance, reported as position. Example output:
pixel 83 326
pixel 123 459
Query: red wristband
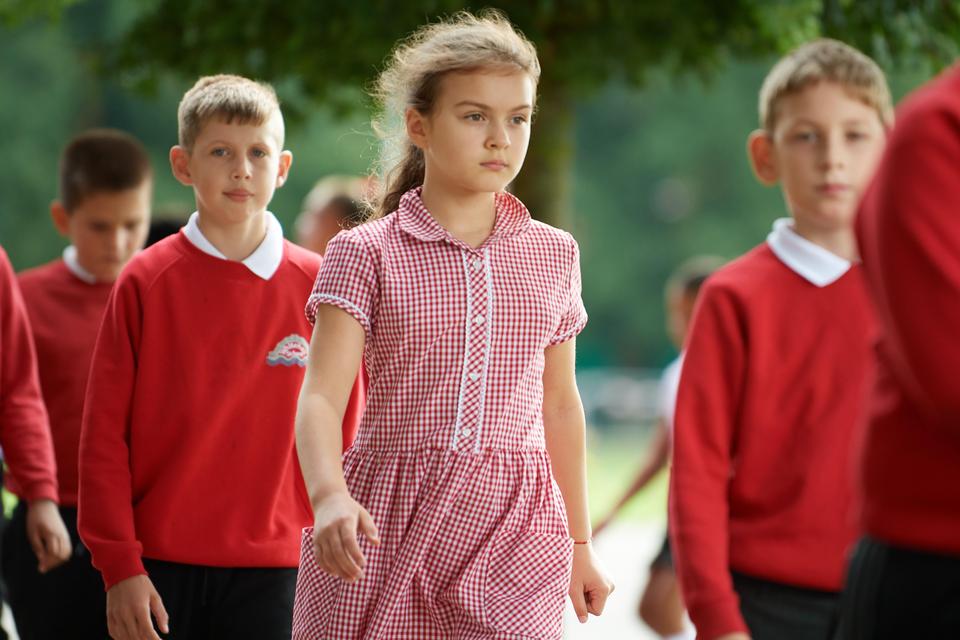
pixel 587 541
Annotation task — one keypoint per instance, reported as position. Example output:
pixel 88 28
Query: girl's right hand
pixel 338 520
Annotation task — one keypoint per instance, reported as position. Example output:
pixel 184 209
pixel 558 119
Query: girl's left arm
pixel 565 432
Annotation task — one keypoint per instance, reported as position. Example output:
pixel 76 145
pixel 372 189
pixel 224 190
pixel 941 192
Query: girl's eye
pixel 474 117
pixel 518 119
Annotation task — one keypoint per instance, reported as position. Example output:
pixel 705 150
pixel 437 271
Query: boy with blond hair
pixel 777 366
pixel 106 184
pixel 191 499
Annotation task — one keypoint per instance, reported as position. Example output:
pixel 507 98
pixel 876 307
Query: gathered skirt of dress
pixel 473 545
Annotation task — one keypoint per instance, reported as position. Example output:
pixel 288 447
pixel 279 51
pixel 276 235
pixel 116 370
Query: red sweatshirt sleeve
pixel 707 405
pixel 24 428
pixel 914 205
pixel 105 516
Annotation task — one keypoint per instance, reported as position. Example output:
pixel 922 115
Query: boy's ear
pixel 180 164
pixel 61 219
pixel 286 159
pixel 760 151
pixel 416 127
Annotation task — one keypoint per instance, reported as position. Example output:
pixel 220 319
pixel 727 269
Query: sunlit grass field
pixel 613 459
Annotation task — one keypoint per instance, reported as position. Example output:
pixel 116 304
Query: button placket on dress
pixel 476 352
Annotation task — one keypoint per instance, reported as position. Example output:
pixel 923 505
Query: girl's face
pixel 476 136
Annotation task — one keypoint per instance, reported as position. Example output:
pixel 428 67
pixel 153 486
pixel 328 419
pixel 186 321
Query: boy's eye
pixel 805 136
pixel 856 136
pixel 258 153
pixel 219 152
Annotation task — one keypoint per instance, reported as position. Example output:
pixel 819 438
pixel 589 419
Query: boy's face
pixel 233 168
pixel 824 148
pixel 107 228
pixel 477 133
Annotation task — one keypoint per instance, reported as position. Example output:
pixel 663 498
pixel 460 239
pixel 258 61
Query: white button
pixel 477 264
pixel 466 431
pixel 474 376
pixel 478 319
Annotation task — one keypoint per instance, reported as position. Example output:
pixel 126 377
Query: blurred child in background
pixel 661 606
pixel 106 184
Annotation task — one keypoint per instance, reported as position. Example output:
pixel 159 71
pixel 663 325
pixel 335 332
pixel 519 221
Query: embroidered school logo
pixel 292 350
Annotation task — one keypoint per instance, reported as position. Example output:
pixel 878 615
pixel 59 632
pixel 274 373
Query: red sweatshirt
pixel 187 450
pixel 909 231
pixel 24 431
pixel 65 314
pixel 773 383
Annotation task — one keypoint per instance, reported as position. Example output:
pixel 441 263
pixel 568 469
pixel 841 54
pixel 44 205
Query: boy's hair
pixel 412 76
pixel 691 274
pixel 224 97
pixel 101 160
pixel 827 60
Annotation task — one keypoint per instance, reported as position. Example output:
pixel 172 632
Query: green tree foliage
pixel 647 142
pixel 325 46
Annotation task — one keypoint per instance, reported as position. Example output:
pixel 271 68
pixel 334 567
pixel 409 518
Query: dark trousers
pixel 775 611
pixel 215 603
pixel 893 592
pixel 67 602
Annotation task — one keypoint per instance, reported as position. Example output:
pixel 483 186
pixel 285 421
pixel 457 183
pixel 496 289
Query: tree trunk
pixel 544 183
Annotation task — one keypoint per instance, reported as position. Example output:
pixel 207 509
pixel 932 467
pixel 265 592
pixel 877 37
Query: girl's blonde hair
pixel 412 77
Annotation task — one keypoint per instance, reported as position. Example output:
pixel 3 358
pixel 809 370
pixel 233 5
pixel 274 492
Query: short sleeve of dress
pixel 348 280
pixel 574 317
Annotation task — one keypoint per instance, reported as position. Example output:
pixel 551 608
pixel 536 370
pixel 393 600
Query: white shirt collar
pixel 810 261
pixel 263 262
pixel 70 259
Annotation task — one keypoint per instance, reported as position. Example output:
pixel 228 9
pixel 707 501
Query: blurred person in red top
pixel 106 185
pixel 25 432
pixel 904 578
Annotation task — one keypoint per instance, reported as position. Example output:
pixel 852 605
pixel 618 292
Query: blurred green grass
pixel 613 459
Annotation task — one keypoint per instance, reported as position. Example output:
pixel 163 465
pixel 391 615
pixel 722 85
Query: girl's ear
pixel 760 152
pixel 416 124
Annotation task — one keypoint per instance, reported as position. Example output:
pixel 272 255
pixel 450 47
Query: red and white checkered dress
pixel 450 459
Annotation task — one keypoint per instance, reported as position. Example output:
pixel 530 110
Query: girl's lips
pixel 494 165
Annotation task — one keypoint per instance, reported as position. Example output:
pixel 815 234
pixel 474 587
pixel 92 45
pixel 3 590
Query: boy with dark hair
pixel 104 207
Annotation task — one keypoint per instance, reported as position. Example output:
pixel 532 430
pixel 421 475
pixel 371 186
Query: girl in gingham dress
pixel 460 511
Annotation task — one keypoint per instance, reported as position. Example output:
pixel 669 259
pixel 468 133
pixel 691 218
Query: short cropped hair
pixel 828 60
pixel 101 160
pixel 226 97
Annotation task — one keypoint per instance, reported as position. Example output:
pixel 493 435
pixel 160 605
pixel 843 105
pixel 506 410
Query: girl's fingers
pixel 579 603
pixel 368 528
pixel 348 538
pixel 339 557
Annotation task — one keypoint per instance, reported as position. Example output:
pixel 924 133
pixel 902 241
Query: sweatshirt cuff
pixel 717 618
pixel 121 568
pixel 40 491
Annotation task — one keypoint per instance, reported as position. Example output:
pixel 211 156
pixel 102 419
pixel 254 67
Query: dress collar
pixel 809 260
pixel 414 218
pixel 263 262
